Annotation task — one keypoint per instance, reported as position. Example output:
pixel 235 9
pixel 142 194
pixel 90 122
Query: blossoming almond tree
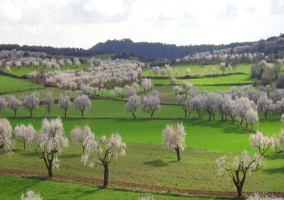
pixel 6 141
pixel 103 151
pixel 133 104
pixel 25 133
pixel 82 103
pixel 238 170
pixel 31 102
pixel 14 104
pixel 174 138
pixel 82 135
pixel 50 142
pixel 261 142
pixel 64 103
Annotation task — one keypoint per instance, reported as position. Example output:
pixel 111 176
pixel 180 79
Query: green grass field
pixel 200 70
pixel 25 70
pixel 146 161
pixel 8 85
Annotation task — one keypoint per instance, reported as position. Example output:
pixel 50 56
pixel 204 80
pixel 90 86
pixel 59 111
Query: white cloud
pixel 83 23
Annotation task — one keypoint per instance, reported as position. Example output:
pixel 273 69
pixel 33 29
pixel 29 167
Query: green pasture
pixel 25 70
pixel 55 92
pixel 149 164
pixel 200 70
pixel 57 189
pixel 226 79
pixel 8 85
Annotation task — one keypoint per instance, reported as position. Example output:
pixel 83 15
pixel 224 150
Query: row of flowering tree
pixel 50 141
pixel 31 102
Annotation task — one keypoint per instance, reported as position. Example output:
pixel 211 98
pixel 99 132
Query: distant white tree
pixel 278 141
pixel 251 117
pixel 31 102
pixel 210 101
pixel 186 85
pixel 50 141
pixel 103 151
pixel 168 70
pixel 261 142
pixel 195 103
pixel 14 104
pixel 134 102
pixel 7 69
pixel 120 92
pixel 222 67
pixel 82 135
pixel 6 141
pixel 227 107
pixel 82 103
pixel 3 103
pixel 187 71
pixel 64 103
pixel 230 68
pixel 147 84
pixel 30 195
pixel 279 106
pixel 156 70
pixel 151 103
pixel 173 80
pixel 181 97
pixel 176 72
pixel 243 104
pixel 264 105
pixel 25 133
pixel 238 170
pixel 163 72
pixel 174 138
pixel 48 101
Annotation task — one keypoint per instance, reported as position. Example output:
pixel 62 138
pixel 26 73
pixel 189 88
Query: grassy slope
pixel 8 84
pixel 200 70
pixel 25 70
pixel 57 189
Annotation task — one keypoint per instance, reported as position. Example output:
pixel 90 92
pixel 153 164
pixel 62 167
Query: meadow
pixel 147 166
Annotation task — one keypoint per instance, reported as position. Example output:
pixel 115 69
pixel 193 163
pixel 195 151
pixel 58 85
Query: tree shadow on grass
pixel 279 170
pixel 156 163
pixel 274 156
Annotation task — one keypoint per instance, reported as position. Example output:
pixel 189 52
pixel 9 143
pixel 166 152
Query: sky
pixel 84 23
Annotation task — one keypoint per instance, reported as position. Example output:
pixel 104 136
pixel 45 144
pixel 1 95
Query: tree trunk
pixel 133 114
pixel 31 112
pixel 151 115
pixel 232 118
pixel 50 170
pixel 15 113
pixel 24 144
pixel 178 153
pixel 105 175
pixel 82 113
pixel 65 110
pixel 265 114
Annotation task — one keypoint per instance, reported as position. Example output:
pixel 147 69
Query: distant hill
pixel 146 51
pixel 152 51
